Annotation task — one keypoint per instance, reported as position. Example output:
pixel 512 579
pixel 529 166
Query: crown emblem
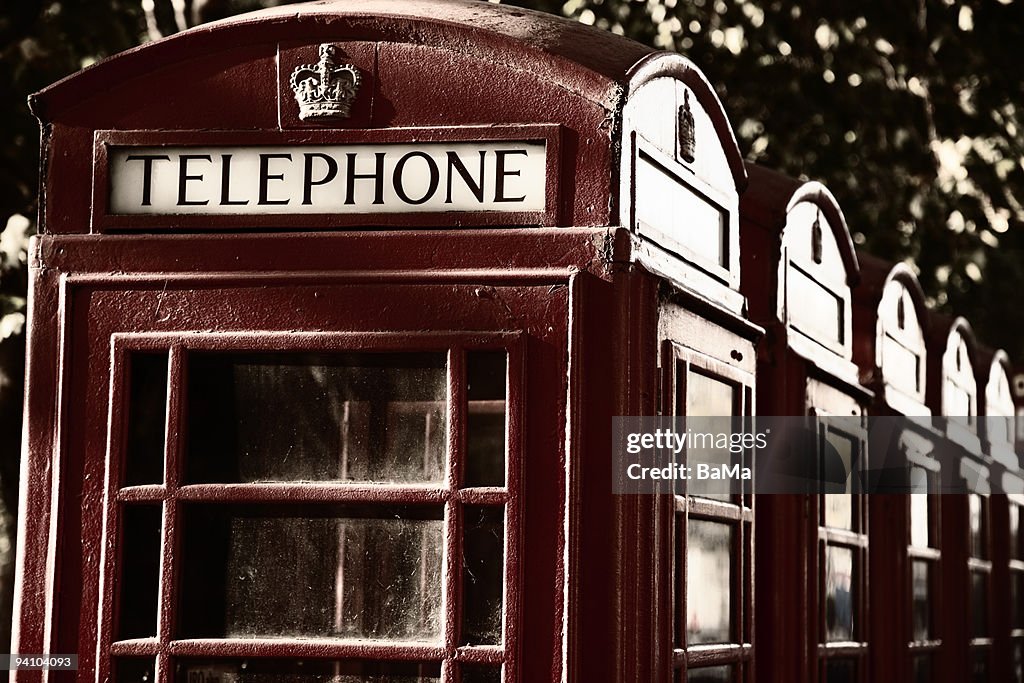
pixel 325 90
pixel 687 134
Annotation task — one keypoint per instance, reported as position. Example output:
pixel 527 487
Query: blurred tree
pixel 911 112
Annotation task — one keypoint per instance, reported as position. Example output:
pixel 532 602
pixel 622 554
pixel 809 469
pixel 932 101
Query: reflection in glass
pixel 920 508
pixel 147 413
pixel 485 426
pixel 481 673
pixel 251 571
pixel 707 397
pixel 709 581
pixel 838 479
pixel 841 671
pixel 976 517
pixel 317 417
pixel 714 674
pixel 1015 545
pixel 1018 661
pixel 921 597
pixel 979 604
pixel 483 574
pixel 980 667
pixel 134 670
pixel 922 669
pixel 1016 598
pixel 839 594
pixel 140 571
pixel 258 670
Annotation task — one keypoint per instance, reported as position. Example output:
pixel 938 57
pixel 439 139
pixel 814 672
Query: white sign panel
pixel 506 176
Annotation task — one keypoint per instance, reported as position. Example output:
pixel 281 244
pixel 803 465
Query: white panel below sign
pixel 505 176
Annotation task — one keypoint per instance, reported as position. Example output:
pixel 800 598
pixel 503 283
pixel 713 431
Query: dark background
pixel 910 112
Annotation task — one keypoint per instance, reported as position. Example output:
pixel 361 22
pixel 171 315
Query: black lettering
pixel 377 176
pixel 225 183
pixel 266 177
pixel 308 183
pixel 500 173
pixel 184 177
pixel 476 187
pixel 147 173
pixel 435 178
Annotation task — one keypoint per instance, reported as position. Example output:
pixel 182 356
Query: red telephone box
pixel 799 266
pixel 331 308
pixel 889 318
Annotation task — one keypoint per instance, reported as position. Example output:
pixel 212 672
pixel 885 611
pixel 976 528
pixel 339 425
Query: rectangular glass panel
pixel 483 577
pixel 902 367
pixel 372 417
pixel 713 674
pixel 841 671
pixel 674 215
pixel 979 604
pixel 922 665
pixel 709 568
pixel 311 571
pixel 258 670
pixel 812 308
pixel 1016 599
pixel 838 479
pixel 840 598
pixel 147 414
pixel 976 517
pixel 485 422
pixel 481 673
pixel 920 516
pixel 1018 661
pixel 1015 544
pixel 709 397
pixel 980 667
pixel 921 600
pixel 134 670
pixel 139 582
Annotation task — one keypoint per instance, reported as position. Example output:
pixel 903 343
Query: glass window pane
pixel 709 568
pixel 980 667
pixel 1015 544
pixel 147 414
pixel 140 571
pixel 714 674
pixel 306 417
pixel 920 508
pixel 979 604
pixel 1018 661
pixel 483 575
pixel 481 673
pixel 356 572
pixel 976 517
pixel 257 670
pixel 813 308
pixel 837 480
pixel 134 670
pixel 841 671
pixel 840 600
pixel 922 665
pixel 708 397
pixel 921 581
pixel 1016 598
pixel 485 421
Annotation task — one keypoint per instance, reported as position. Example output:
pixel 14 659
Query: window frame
pixel 449 652
pixel 677 361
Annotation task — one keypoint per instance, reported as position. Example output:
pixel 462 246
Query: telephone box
pixel 889 318
pixel 799 266
pixel 331 307
pixel 966 583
